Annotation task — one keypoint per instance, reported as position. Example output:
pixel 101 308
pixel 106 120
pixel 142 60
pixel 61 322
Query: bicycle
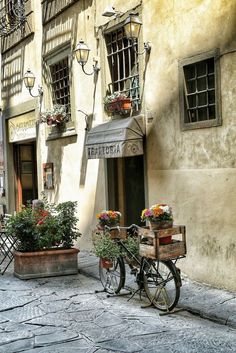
pixel 160 279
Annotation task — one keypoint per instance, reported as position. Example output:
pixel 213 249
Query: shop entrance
pixel 126 187
pixel 26 173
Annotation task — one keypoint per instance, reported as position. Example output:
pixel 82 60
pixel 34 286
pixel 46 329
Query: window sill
pixel 55 134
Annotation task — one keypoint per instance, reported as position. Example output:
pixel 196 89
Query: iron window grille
pixel 124 66
pixel 199 91
pixel 61 83
pixel 12 16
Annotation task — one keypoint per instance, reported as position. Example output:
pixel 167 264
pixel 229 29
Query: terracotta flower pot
pixel 106 263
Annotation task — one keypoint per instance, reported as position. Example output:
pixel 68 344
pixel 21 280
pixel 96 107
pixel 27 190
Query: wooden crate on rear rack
pixel 150 243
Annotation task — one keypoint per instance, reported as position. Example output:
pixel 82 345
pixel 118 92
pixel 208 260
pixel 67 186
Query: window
pixel 60 83
pixel 12 15
pixel 199 92
pixel 124 66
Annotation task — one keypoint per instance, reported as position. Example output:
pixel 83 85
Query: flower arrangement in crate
pixel 117 102
pixel 55 116
pixel 158 215
pixel 109 218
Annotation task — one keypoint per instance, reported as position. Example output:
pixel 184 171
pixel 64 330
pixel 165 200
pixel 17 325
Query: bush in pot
pixel 45 231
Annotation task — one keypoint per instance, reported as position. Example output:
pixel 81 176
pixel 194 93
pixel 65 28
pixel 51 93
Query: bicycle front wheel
pixel 113 279
pixel 162 283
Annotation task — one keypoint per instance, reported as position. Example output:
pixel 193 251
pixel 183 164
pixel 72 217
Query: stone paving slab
pixel 208 302
pixel 65 315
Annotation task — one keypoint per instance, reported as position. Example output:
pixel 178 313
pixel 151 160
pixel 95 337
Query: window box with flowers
pixel 55 116
pixel 117 102
pixel 45 235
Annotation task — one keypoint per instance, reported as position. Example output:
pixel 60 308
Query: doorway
pixel 26 173
pixel 126 187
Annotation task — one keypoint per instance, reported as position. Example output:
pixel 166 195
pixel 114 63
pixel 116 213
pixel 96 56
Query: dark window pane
pixel 202 99
pixel 189 72
pixel 210 65
pixel 211 97
pixel 201 84
pixel 212 112
pixel 202 114
pixel 211 81
pixel 201 68
pixel 192 101
pixel 191 86
pixel 193 115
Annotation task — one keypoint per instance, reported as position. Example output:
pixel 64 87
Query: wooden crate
pixel 150 243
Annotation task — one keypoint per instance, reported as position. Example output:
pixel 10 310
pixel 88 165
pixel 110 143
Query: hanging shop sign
pixel 22 128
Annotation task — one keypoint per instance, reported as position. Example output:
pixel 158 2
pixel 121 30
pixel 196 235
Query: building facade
pixel 174 145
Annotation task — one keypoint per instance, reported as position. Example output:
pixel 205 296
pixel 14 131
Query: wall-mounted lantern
pixel 132 27
pixel 29 81
pixel 82 54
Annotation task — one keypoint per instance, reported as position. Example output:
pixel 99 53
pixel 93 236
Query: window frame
pixel 213 54
pixel 51 58
pixel 107 29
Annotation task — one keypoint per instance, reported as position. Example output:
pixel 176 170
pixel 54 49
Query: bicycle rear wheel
pixel 113 279
pixel 162 282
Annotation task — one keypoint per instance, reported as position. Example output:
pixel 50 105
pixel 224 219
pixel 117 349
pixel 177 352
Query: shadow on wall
pixel 55 155
pixel 13 62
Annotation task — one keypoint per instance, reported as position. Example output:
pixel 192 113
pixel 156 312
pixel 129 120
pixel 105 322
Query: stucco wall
pixel 194 171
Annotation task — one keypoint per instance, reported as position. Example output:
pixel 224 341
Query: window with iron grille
pixel 124 66
pixel 200 94
pixel 60 83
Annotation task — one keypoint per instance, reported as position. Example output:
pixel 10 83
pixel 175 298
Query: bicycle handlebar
pixel 120 228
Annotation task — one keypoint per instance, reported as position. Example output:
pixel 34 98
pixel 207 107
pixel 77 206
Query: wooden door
pixel 26 174
pixel 126 188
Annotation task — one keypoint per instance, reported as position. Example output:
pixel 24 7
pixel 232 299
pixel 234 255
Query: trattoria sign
pixel 22 127
pixel 115 149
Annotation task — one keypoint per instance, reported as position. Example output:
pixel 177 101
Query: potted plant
pixel 109 218
pixel 159 216
pixel 55 116
pixel 105 248
pixel 117 102
pixel 45 238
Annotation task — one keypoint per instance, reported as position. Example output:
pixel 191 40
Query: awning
pixel 117 138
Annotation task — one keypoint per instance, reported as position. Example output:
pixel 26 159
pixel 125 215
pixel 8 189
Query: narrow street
pixel 64 314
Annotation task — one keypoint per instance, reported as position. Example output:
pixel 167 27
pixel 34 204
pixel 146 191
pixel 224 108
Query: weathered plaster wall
pixel 194 171
pixel 76 178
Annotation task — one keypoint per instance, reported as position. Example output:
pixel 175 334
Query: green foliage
pixel 106 248
pixel 38 229
pixel 67 222
pixel 132 244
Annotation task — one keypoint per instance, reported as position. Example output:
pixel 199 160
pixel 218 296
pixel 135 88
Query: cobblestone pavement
pixel 65 315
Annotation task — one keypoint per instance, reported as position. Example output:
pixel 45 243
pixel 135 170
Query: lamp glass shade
pixel 29 79
pixel 82 53
pixel 132 26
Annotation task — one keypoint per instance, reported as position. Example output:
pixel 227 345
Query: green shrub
pixel 50 227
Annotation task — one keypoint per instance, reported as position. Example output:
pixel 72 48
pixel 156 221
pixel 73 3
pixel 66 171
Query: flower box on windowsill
pixel 119 105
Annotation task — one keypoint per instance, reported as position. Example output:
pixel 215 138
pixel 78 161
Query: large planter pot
pixel 46 263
